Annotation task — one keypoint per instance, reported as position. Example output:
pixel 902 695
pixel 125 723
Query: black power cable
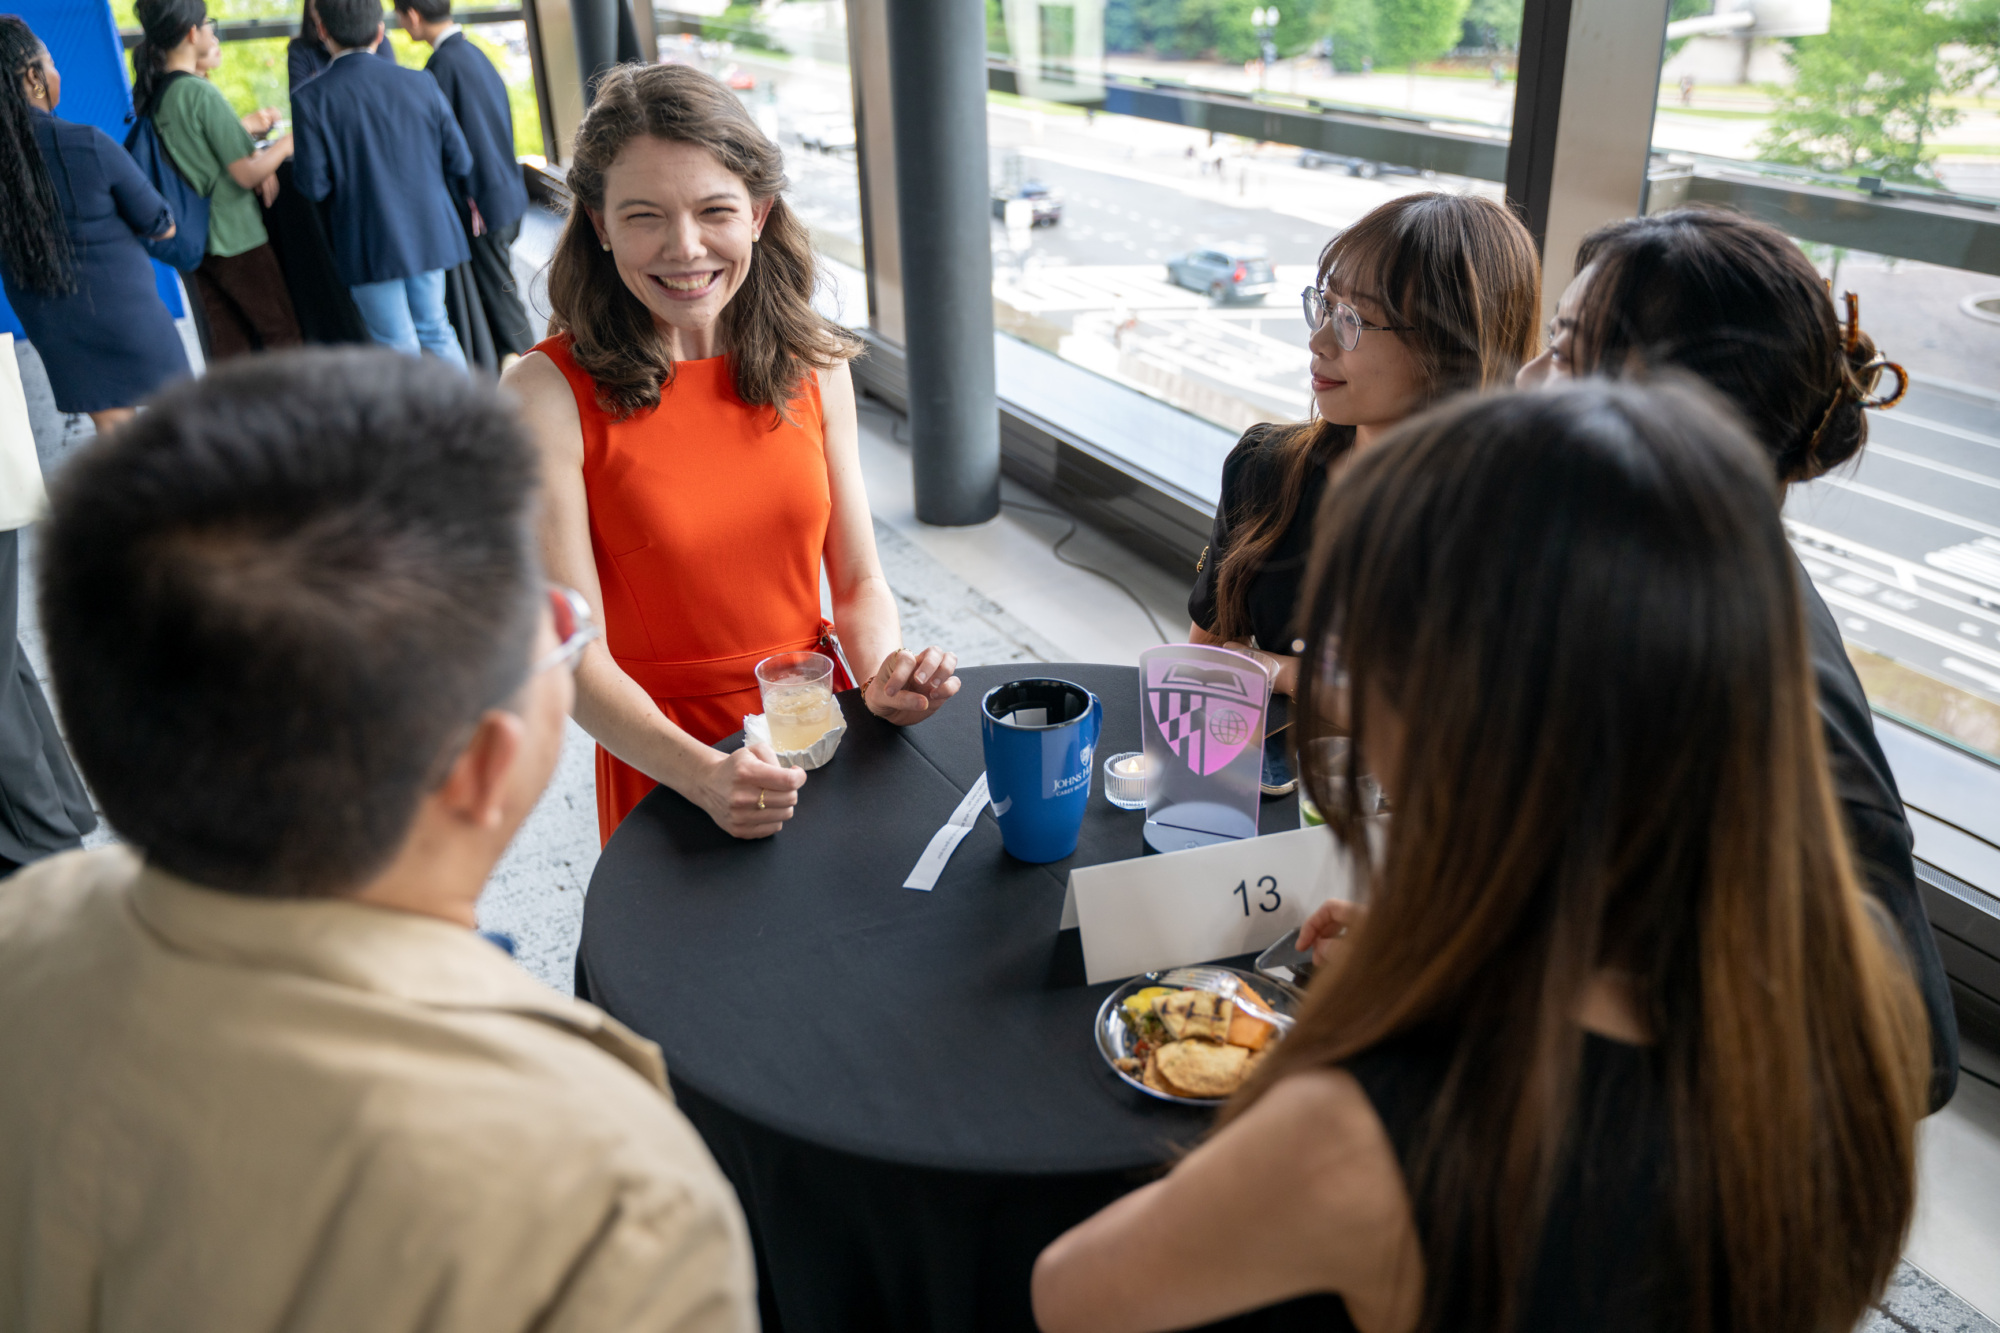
pixel 1057 551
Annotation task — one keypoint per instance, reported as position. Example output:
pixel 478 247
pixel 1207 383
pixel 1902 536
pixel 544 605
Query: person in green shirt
pixel 241 287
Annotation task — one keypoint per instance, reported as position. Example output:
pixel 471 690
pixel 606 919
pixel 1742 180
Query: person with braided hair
pixel 73 207
pixel 1732 301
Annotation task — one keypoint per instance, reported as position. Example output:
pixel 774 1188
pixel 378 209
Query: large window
pixel 253 70
pixel 1169 259
pixel 788 63
pixel 1887 103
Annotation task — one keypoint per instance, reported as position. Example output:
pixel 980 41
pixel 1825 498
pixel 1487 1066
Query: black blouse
pixel 1606 1258
pixel 1877 827
pixel 1250 484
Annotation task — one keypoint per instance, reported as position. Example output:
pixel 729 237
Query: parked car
pixel 827 134
pixel 1228 273
pixel 740 79
pixel 1312 159
pixel 1047 208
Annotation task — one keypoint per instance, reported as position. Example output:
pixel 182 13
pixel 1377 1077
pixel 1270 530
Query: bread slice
pixel 1201 1068
pixel 1195 1013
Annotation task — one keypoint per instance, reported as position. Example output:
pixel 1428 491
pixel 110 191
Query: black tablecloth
pixel 903 1086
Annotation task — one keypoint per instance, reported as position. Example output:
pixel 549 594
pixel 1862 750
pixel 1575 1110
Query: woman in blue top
pixel 73 207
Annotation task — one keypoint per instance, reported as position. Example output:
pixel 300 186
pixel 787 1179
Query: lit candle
pixel 1125 781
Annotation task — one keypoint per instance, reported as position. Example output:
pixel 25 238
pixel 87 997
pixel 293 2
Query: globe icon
pixel 1226 726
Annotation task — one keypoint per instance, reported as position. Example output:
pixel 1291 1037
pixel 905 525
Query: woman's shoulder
pixel 1255 464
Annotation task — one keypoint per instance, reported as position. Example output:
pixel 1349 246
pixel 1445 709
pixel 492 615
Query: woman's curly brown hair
pixel 773 335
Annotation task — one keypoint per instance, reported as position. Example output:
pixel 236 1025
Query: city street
pixel 1906 547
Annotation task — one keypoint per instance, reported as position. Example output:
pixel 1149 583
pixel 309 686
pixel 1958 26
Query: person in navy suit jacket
pixel 376 144
pixel 497 197
pixel 306 56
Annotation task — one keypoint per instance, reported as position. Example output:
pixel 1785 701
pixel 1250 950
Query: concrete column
pixel 937 64
pixel 595 24
pixel 1583 121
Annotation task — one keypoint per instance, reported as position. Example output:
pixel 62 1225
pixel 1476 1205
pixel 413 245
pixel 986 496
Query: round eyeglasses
pixel 575 627
pixel 1348 326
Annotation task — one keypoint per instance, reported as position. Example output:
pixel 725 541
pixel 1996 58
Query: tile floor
pixel 998 593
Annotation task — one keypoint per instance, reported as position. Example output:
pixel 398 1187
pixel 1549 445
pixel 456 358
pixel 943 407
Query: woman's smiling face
pixel 1375 385
pixel 682 229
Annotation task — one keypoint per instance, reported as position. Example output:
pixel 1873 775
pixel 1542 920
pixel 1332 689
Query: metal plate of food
pixel 1193 1035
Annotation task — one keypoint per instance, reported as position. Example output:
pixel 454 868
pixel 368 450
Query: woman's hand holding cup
pixel 907 687
pixel 748 794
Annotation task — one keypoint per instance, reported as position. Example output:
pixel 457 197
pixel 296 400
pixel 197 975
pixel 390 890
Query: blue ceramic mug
pixel 1039 735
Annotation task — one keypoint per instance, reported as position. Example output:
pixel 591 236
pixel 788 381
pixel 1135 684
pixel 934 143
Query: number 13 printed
pixel 1267 901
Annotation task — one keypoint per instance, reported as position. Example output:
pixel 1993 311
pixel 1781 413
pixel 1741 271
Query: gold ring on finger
pixel 760 798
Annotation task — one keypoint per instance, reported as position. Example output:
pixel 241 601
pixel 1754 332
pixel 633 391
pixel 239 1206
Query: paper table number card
pixel 1238 897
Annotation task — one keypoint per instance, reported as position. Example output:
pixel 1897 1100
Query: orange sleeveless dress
pixel 707 524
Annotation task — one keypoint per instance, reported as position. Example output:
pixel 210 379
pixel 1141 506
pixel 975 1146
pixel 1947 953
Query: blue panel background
pixel 83 38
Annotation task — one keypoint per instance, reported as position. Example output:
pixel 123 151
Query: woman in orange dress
pixel 699 442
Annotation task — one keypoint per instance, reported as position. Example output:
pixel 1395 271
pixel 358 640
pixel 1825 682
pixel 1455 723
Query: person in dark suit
pixel 496 197
pixel 306 56
pixel 376 145
pixel 74 209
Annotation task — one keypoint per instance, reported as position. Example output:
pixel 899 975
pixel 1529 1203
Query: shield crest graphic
pixel 1206 713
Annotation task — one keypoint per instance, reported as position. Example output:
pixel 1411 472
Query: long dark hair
pixel 1463 274
pixel 773 335
pixel 34 240
pixel 309 28
pixel 164 25
pixel 1736 303
pixel 1581 605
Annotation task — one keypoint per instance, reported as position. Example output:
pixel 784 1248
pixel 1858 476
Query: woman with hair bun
pixel 700 449
pixel 73 209
pixel 1427 295
pixel 1734 302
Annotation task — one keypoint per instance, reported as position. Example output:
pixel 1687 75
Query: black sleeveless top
pixel 1606 1257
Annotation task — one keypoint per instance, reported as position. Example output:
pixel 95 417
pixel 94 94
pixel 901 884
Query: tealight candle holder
pixel 1125 780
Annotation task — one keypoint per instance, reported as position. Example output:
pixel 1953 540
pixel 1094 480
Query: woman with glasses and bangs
pixel 1613 1038
pixel 1428 295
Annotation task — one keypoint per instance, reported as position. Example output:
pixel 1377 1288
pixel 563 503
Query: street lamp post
pixel 1264 19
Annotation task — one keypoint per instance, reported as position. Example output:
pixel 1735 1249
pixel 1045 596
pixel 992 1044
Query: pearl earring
pixel 606 245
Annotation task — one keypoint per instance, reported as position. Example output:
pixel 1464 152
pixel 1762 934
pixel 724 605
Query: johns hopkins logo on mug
pixel 1039 737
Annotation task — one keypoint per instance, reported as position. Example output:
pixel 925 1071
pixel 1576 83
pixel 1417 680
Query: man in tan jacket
pixel 258 1072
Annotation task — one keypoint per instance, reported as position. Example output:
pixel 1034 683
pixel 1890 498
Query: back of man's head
pixel 430 11
pixel 350 23
pixel 278 601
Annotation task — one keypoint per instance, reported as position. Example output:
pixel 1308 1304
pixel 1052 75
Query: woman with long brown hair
pixel 700 452
pixel 1711 293
pixel 1427 295
pixel 1620 1043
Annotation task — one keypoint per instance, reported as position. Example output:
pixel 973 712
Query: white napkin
pixel 945 841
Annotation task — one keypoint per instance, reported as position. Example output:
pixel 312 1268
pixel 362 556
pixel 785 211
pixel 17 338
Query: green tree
pixel 1350 26
pixel 1413 31
pixel 1683 9
pixel 1494 23
pixel 1868 96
